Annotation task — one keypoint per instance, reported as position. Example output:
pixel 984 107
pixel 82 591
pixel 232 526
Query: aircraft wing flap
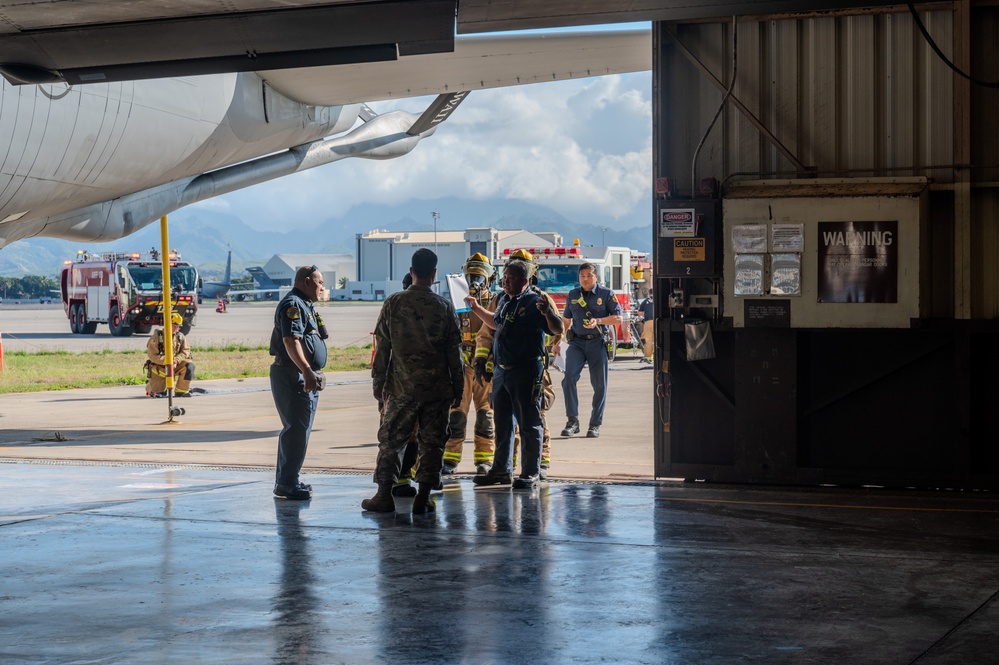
pixel 477 63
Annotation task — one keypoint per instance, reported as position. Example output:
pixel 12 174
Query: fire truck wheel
pixel 118 327
pixel 74 317
pixel 612 343
pixel 86 326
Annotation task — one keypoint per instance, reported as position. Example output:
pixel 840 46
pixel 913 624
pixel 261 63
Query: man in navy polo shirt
pixel 589 309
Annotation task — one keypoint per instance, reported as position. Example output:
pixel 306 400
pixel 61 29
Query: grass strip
pixel 37 371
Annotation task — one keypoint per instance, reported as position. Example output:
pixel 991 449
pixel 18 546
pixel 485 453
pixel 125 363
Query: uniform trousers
pixel 517 403
pixel 547 401
pixel 400 418
pixel 649 338
pixel 297 410
pixel 592 352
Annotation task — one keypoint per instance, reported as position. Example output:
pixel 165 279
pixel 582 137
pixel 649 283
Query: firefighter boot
pixel 382 501
pixel 423 503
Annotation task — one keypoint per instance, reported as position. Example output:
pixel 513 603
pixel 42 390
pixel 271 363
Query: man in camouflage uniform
pixel 417 373
pixel 479 275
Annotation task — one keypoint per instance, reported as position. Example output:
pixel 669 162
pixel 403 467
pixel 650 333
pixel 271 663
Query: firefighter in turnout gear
pixel 183 365
pixel 476 351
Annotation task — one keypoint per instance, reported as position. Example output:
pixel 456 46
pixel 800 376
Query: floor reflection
pixel 296 603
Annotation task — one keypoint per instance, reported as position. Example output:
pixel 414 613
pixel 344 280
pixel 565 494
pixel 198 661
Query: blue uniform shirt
pixel 596 304
pixel 295 316
pixel 520 329
pixel 647 309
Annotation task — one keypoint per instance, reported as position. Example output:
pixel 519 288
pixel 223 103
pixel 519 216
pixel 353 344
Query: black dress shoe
pixel 299 492
pixel 492 479
pixel 526 483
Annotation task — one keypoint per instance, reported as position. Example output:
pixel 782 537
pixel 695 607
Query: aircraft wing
pixel 477 63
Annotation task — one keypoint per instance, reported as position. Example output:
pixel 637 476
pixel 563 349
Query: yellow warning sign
pixel 688 249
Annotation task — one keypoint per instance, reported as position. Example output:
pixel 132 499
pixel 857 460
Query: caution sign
pixel 689 249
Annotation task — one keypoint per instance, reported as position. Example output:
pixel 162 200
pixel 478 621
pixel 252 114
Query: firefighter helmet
pixel 478 264
pixel 478 275
pixel 177 319
pixel 525 256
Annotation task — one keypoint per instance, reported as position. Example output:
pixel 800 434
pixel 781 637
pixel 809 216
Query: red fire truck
pixel 125 291
pixel 558 273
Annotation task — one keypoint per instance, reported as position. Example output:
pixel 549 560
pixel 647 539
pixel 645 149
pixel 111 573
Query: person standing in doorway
pixel 417 373
pixel 648 327
pixel 522 318
pixel 299 350
pixel 589 309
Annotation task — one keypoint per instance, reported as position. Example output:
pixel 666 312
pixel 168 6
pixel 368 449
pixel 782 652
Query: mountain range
pixel 203 236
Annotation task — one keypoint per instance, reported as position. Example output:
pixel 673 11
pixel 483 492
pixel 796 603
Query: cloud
pixel 580 147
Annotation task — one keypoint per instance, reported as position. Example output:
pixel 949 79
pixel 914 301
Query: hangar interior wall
pixel 858 96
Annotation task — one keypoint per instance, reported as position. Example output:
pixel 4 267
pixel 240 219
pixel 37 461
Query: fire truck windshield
pixel 150 278
pixel 560 278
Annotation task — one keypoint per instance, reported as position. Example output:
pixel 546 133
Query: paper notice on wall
pixel 458 288
pixel 749 274
pixel 787 238
pixel 749 238
pixel 785 274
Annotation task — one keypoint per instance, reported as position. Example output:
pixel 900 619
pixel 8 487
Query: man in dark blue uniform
pixel 648 327
pixel 589 309
pixel 299 349
pixel 521 319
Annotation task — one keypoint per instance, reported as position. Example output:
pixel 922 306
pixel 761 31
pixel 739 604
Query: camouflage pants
pixel 400 418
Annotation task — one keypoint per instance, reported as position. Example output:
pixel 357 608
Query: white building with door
pixel 386 255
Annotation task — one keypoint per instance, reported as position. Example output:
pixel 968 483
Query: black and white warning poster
pixel 858 262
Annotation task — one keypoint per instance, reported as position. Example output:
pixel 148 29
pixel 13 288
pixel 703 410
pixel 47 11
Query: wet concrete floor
pixel 148 563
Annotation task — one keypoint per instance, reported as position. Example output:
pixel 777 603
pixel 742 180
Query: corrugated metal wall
pixel 861 94
pixel 849 95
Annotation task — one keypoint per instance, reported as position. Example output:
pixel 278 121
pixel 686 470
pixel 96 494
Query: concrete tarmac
pixel 127 540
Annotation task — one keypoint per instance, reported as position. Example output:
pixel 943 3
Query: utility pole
pixel 436 215
pixel 603 239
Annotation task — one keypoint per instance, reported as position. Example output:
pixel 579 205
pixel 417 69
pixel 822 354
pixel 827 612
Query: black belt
pixel 278 360
pixel 590 336
pixel 521 363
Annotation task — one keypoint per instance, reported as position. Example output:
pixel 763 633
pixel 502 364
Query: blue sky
pixel 578 147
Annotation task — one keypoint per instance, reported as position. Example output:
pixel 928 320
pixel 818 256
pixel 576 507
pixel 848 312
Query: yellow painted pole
pixel 167 305
pixel 167 318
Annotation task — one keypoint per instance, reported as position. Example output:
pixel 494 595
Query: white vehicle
pixel 558 273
